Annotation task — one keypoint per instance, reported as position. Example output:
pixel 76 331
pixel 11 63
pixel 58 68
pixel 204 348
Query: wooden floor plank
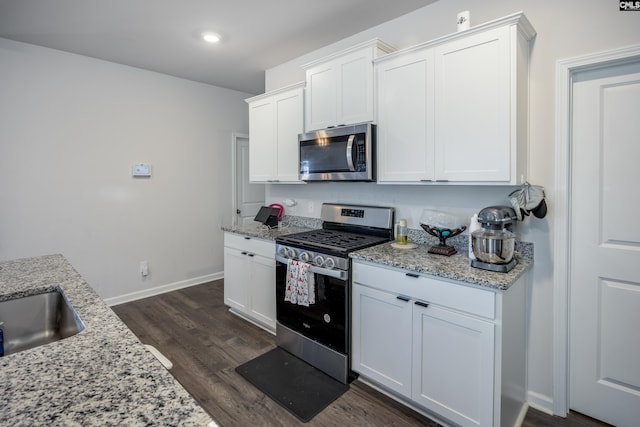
pixel 205 342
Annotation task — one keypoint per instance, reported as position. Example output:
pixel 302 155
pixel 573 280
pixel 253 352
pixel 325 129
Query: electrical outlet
pixel 144 268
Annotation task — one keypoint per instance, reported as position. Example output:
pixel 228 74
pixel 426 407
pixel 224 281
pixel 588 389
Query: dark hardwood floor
pixel 194 329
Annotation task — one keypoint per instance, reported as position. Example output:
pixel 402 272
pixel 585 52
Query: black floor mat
pixel 293 383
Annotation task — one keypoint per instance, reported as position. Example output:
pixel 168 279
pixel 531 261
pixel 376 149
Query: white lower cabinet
pixel 381 332
pixel 453 362
pixel 439 346
pixel 249 279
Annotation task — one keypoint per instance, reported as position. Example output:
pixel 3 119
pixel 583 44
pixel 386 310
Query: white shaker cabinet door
pixel 262 144
pixel 453 365
pixel 289 123
pixel 405 118
pixel 237 276
pixel 355 88
pixel 473 118
pixel 263 290
pixel 382 338
pixel 321 97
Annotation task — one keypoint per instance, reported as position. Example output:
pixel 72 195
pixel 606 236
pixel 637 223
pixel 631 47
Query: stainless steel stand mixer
pixel 494 244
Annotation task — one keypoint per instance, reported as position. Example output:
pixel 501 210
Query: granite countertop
pixel 455 267
pixel 102 376
pixel 263 232
pixel 289 225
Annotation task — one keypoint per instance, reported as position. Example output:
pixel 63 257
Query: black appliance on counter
pixel 320 334
pixel 268 216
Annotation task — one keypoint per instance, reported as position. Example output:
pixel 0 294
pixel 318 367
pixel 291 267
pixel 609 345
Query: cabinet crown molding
pixel 518 19
pixel 373 43
pixel 275 92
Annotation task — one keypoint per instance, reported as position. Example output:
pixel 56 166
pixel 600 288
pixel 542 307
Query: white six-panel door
pixel 605 245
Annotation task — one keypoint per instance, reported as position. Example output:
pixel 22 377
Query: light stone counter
pixel 455 267
pixel 263 232
pixel 289 225
pixel 102 376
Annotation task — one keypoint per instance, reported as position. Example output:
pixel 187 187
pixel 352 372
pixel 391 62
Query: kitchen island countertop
pixel 102 376
pixel 455 267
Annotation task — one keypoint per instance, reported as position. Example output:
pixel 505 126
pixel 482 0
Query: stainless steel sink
pixel 39 319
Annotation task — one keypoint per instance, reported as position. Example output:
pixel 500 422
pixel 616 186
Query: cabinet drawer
pixel 254 245
pixel 427 289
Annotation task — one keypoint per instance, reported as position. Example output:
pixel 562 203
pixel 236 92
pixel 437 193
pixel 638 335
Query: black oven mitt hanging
pixel 529 199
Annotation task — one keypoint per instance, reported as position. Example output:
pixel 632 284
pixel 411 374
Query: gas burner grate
pixel 334 240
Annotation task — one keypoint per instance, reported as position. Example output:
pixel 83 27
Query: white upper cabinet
pixel 340 87
pixel 275 120
pixel 404 133
pixel 454 110
pixel 473 121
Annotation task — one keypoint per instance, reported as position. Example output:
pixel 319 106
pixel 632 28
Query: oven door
pixel 326 321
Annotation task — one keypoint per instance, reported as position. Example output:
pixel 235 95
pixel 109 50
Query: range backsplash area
pixel 408 200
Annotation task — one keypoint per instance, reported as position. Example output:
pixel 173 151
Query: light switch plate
pixel 142 169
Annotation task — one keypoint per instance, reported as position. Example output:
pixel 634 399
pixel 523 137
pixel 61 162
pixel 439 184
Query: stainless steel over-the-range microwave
pixel 343 153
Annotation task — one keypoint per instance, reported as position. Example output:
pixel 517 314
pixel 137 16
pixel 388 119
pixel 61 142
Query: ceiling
pixel 164 35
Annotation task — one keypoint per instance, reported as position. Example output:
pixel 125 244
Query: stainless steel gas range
pixel 317 328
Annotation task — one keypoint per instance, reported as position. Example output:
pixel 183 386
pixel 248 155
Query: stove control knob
pixel 283 251
pixel 292 253
pixel 329 263
pixel 319 260
pixel 304 256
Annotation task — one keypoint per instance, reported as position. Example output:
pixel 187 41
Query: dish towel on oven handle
pixel 300 286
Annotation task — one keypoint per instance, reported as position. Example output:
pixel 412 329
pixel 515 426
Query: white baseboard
pixel 163 289
pixel 540 402
pixel 522 415
pixel 403 401
pixel 271 330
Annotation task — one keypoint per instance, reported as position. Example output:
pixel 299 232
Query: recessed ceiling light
pixel 211 37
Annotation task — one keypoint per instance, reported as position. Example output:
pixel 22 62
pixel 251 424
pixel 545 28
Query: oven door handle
pixel 338 274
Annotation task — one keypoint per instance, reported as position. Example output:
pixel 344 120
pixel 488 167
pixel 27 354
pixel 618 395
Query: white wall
pixel 70 129
pixel 565 29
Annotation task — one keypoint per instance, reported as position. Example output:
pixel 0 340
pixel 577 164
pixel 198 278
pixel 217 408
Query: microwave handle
pixel 352 168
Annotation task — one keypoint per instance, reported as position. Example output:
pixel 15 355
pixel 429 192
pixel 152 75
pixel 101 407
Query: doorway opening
pixel 246 196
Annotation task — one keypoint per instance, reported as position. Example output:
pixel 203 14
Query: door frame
pixel 565 70
pixel 235 136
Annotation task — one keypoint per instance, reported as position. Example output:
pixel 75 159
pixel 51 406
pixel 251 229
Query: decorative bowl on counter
pixel 443 234
pixel 442 225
